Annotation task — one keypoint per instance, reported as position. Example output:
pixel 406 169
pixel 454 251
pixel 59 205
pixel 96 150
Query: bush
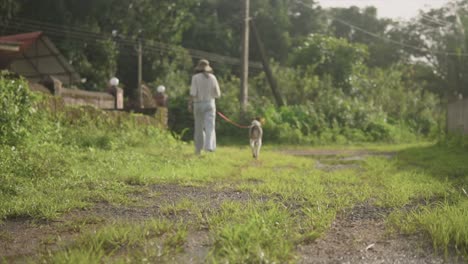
pixel 378 106
pixel 379 131
pixel 16 109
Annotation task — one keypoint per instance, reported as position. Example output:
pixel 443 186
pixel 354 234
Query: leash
pixel 230 121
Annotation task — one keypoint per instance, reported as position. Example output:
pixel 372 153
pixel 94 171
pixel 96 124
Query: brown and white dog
pixel 255 135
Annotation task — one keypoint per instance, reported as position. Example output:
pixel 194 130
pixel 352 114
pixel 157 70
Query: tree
pixel 8 8
pixel 216 27
pixel 280 23
pixel 363 26
pixel 98 36
pixel 444 45
pixel 306 17
pixel 330 56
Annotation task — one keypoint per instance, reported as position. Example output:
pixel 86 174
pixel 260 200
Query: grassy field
pixel 146 203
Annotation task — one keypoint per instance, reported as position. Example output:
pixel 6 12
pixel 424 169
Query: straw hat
pixel 204 66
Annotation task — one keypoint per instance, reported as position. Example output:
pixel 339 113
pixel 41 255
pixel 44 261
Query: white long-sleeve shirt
pixel 204 87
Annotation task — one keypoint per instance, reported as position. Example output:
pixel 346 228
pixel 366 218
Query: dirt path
pixel 356 236
pixel 24 238
pixel 360 237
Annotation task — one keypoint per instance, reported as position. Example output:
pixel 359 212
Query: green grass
pixel 150 241
pixel 83 158
pixel 446 225
pixel 252 233
pixel 397 188
pixel 440 178
pixel 291 202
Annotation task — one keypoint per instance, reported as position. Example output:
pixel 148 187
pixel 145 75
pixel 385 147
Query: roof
pixel 9 47
pixel 25 40
pixel 34 56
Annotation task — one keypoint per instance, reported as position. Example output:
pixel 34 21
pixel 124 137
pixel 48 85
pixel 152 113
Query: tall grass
pixel 83 156
pixel 253 233
pixel 442 179
pixel 150 241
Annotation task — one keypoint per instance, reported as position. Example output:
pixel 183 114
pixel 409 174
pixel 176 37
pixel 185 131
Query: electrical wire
pixel 149 46
pixel 434 20
pixel 153 45
pixel 424 50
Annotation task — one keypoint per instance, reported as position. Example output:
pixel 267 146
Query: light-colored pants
pixel 204 113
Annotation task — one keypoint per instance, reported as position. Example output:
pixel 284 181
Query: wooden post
pixel 245 59
pixel 140 74
pixel 266 67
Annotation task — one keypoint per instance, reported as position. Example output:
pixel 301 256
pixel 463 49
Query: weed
pixel 434 174
pixel 176 208
pixel 75 163
pixel 122 240
pixel 80 224
pixel 252 234
pixel 445 224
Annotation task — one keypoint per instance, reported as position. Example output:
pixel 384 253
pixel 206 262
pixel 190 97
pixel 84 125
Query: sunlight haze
pixel 396 9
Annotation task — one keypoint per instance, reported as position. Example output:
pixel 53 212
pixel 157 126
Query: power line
pixel 434 20
pixel 391 40
pixel 151 46
pixel 75 33
pixel 401 43
pixel 125 49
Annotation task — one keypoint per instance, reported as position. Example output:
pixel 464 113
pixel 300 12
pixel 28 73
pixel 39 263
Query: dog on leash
pixel 255 135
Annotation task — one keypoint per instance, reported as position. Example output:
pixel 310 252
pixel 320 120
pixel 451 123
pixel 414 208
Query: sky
pixel 396 9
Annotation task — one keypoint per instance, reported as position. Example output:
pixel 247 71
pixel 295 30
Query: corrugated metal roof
pixel 36 58
pixel 25 40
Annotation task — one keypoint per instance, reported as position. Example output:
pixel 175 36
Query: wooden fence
pixel 457 116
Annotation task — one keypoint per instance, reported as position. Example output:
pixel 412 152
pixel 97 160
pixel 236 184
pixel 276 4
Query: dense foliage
pixel 16 109
pixel 346 77
pixel 62 158
pixel 345 74
pixel 44 150
pixel 380 106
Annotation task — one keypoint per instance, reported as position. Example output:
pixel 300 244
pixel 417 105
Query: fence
pixel 101 100
pixel 457 116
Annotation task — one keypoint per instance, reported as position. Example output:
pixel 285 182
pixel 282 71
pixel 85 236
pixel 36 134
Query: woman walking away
pixel 203 91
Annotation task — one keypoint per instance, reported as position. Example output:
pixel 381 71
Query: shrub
pixel 379 131
pixel 16 109
pixel 378 105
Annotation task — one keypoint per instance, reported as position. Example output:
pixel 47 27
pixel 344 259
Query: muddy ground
pixel 356 236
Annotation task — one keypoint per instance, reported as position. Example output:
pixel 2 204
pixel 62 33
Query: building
pixel 33 56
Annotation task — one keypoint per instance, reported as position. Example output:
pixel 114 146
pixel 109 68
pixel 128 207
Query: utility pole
pixel 245 58
pixel 140 74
